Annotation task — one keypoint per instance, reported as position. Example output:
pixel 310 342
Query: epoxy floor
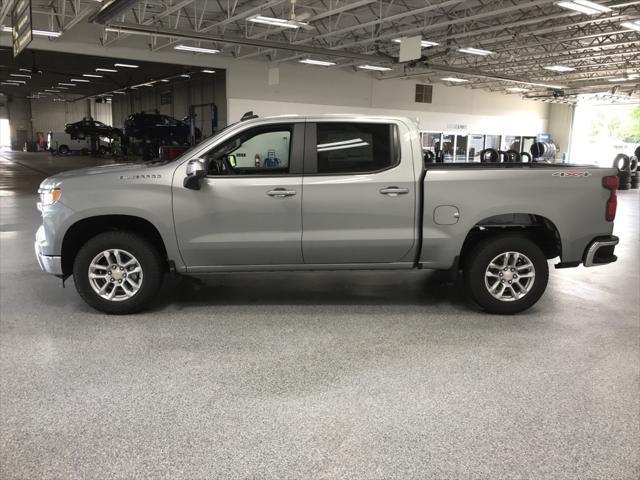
pixel 314 375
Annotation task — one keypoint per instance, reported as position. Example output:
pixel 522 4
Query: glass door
pixel 448 146
pixel 476 144
pixel 461 148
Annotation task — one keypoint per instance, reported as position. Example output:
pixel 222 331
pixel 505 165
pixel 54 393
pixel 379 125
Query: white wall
pixel 313 90
pixel 52 116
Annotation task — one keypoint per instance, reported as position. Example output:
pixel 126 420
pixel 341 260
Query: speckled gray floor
pixel 315 375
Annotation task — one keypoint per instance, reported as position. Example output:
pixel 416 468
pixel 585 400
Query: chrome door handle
pixel 394 191
pixel 281 193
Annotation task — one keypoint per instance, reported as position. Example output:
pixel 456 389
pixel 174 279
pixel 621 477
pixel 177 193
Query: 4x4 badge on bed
pixel 571 174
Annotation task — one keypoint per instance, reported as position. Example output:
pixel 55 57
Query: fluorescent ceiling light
pixel 67 84
pixel 518 89
pixel 632 25
pixel 63 88
pixel 19 75
pixel 584 6
pixel 125 65
pixel 79 80
pixel 40 33
pixel 24 70
pixel 188 48
pixel 164 80
pixel 475 51
pixel 91 75
pixel 343 142
pixel 109 70
pixel 203 71
pixel 454 79
pixel 117 92
pixel 628 78
pixel 374 67
pixel 278 22
pixel 559 68
pixel 53 91
pixel 321 63
pixel 8 84
pixel 185 75
pixel 424 43
pixel 22 82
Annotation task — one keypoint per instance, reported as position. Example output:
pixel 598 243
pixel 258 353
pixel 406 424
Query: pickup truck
pixel 330 192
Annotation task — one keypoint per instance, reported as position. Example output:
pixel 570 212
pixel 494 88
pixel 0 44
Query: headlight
pixel 48 197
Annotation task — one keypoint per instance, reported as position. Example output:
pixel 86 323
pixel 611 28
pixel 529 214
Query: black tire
pixel 478 260
pixel 63 150
pixel 429 156
pixel 636 152
pixel 633 165
pixel 528 155
pixel 621 162
pixel 512 156
pixel 489 155
pixel 147 256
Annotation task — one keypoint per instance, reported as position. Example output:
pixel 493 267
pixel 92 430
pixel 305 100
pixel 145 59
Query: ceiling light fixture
pixel 424 43
pixel 19 75
pixel 517 89
pixel 164 80
pixel 91 75
pixel 53 91
pixel 188 48
pixel 9 84
pixel 63 88
pixel 635 25
pixel 82 80
pixel 278 22
pixel 584 6
pixel 559 68
pixel 125 65
pixel 454 79
pixel 67 84
pixel 118 92
pixel 321 63
pixel 39 33
pixel 374 67
pixel 203 71
pixel 108 70
pixel 475 51
pixel 185 75
pixel 22 82
pixel 24 70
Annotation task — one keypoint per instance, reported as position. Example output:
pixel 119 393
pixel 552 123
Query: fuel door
pixel 446 215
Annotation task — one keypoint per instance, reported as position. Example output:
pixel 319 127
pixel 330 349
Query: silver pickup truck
pixel 332 192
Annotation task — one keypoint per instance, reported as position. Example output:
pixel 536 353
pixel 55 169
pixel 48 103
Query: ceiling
pixel 73 77
pixel 523 36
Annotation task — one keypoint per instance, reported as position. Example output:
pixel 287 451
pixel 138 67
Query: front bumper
pixel 600 251
pixel 48 263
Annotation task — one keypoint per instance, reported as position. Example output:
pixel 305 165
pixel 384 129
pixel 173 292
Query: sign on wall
pixel 22 26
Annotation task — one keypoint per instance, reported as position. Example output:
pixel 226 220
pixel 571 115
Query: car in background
pixel 88 127
pixel 159 128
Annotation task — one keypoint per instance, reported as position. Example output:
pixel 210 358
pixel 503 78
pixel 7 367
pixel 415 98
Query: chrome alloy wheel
pixel 510 276
pixel 115 275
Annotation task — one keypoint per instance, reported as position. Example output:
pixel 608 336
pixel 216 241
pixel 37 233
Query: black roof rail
pixel 248 116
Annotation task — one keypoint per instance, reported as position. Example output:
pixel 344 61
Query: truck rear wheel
pixel 117 272
pixel 63 150
pixel 506 274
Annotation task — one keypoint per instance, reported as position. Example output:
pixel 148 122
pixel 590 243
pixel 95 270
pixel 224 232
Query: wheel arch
pixel 83 230
pixel 537 228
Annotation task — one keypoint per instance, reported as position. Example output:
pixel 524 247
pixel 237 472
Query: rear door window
pixel 344 148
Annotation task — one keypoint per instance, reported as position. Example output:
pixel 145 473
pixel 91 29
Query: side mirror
pixel 196 169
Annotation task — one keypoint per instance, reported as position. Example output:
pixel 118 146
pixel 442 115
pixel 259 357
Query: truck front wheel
pixel 117 272
pixel 506 274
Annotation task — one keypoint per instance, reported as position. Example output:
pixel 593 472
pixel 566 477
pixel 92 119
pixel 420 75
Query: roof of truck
pixel 333 116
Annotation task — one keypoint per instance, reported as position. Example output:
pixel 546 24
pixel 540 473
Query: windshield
pixel 191 149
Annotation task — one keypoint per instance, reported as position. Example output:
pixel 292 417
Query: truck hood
pixel 114 170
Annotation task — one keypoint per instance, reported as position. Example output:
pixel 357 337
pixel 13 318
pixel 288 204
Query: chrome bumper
pixel 48 263
pixel 600 251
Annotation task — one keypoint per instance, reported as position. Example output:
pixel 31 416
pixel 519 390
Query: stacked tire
pixel 633 170
pixel 623 164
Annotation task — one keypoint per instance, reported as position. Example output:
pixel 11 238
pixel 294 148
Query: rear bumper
pixel 600 251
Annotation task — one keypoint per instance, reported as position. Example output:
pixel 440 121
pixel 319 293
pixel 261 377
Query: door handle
pixel 281 193
pixel 394 191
